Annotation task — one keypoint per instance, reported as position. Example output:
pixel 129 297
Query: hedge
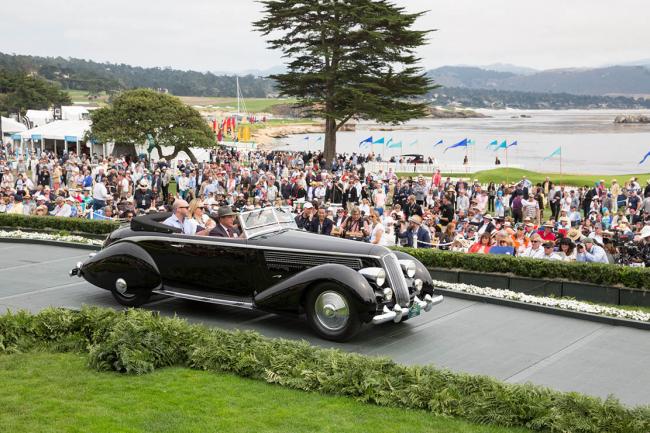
pixel 79 225
pixel 595 273
pixel 139 341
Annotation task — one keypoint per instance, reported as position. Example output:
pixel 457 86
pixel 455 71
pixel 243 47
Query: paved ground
pixel 507 343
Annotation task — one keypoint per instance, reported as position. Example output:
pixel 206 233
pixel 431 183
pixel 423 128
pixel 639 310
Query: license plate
pixel 414 311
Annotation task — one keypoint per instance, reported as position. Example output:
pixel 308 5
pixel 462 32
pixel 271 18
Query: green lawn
pixel 58 393
pixel 81 97
pixel 514 174
pixel 253 105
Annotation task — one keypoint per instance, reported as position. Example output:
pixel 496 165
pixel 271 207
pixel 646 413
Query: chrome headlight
pixel 378 275
pixel 408 267
pixel 388 294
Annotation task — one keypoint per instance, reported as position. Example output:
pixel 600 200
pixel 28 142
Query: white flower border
pixel 564 304
pixel 18 234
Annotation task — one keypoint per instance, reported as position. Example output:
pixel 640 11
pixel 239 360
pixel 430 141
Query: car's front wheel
pixel 119 292
pixel 331 314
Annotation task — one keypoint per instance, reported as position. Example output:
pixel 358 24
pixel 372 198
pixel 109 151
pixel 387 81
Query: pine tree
pixel 348 59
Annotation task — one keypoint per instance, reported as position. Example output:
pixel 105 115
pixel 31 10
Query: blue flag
pixel 319 139
pixel 367 140
pixel 644 158
pixel 462 143
pixel 438 143
pixel 557 152
pixel 470 142
pixel 514 143
pixel 393 144
pixel 492 143
pixel 306 137
pixel 503 145
pixel 413 143
pixel 380 141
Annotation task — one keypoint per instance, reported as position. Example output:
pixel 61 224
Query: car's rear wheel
pixel 121 295
pixel 331 314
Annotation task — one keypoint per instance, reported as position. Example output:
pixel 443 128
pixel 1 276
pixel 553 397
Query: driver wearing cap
pixel 225 228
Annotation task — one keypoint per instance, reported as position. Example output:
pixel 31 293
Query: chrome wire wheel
pixel 332 311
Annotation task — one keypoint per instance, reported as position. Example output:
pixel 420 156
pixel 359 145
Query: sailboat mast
pixel 238 96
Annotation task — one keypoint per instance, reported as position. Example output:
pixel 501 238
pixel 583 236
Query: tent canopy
pixel 10 126
pixel 60 130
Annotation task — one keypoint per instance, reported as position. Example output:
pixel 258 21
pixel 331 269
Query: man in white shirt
pixel 100 194
pixel 179 219
pixel 535 250
pixel 549 253
pixel 62 209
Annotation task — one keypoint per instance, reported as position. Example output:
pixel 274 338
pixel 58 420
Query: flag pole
pixel 507 168
pixel 560 160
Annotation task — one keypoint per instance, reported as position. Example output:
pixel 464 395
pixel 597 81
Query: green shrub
pixel 138 341
pixel 80 225
pixel 595 273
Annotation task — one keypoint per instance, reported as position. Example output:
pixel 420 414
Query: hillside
pixel 620 80
pixel 492 98
pixel 79 74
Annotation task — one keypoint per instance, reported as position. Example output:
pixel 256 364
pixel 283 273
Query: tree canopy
pixel 79 74
pixel 137 116
pixel 20 92
pixel 348 59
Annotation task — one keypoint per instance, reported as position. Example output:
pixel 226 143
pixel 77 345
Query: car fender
pixel 288 295
pixel 125 260
pixel 421 272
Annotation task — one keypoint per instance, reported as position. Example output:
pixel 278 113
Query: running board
pixel 226 300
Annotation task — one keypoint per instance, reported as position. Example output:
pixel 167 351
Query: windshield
pixel 266 220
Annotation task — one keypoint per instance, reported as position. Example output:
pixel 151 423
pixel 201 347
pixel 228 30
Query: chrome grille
pixel 397 280
pixel 282 260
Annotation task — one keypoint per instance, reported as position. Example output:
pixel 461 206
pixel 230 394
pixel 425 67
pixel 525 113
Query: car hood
pixel 305 241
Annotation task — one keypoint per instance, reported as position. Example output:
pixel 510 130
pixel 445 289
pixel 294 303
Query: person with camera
pixel 589 251
pixel 415 234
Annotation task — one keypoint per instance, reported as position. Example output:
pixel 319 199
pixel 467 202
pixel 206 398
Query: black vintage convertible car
pixel 337 284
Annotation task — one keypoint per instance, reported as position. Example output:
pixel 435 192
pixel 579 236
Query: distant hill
pixel 79 74
pixel 621 80
pixel 497 99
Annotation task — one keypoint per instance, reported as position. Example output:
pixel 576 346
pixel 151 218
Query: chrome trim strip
pixel 397 280
pixel 236 243
pixel 226 302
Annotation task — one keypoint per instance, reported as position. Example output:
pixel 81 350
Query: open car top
pixel 252 223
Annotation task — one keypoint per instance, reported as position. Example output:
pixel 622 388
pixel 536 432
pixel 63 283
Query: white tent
pixel 59 130
pixel 74 112
pixel 10 126
pixel 39 117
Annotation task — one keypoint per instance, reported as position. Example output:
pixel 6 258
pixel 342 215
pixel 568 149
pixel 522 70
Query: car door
pixel 221 265
pixel 214 265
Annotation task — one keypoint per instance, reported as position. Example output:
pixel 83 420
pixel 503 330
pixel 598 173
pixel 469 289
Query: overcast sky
pixel 217 35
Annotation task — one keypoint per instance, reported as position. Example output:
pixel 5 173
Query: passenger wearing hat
pixel 416 235
pixel 589 252
pixel 225 227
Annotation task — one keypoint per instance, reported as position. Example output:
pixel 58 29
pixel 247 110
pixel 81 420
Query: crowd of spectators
pixel 599 223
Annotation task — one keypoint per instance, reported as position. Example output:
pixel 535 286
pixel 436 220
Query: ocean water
pixel 590 140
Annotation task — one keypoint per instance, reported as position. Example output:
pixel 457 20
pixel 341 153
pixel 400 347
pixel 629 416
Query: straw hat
pixel 574 234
